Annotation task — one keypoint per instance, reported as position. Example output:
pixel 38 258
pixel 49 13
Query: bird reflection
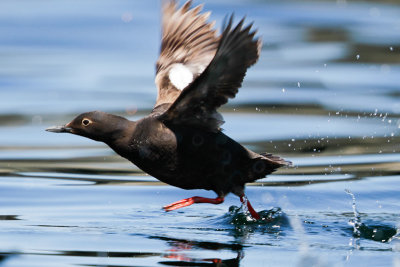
pixel 242 227
pixel 179 256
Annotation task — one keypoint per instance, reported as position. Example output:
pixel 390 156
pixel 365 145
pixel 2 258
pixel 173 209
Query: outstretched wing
pixel 188 45
pixel 197 104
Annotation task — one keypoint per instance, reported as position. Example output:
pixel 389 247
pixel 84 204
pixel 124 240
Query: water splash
pixel 356 221
pixel 274 217
pixel 245 210
pixel 273 222
pixel 370 230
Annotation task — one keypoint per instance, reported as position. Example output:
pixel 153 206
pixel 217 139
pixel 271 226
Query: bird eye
pixel 86 122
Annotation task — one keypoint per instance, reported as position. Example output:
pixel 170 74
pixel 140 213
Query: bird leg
pixel 189 201
pixel 246 202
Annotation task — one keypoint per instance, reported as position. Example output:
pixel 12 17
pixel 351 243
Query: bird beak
pixel 59 129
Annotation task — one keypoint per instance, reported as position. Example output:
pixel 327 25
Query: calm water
pixel 325 95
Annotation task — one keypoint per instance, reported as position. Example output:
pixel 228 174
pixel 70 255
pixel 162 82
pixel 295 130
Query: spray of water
pixel 356 221
pixel 245 210
pixel 376 231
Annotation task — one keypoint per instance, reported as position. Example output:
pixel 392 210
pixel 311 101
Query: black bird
pixel 180 142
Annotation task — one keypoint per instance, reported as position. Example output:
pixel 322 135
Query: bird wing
pixel 197 105
pixel 188 45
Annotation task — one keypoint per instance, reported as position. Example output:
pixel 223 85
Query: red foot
pixel 189 201
pixel 246 202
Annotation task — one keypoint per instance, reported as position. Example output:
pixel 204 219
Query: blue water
pixel 325 94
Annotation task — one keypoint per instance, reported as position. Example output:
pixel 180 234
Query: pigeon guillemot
pixel 180 142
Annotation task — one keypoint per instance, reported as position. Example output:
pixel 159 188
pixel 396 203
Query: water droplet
pixel 298 84
pixel 283 90
pixel 358 57
pixel 356 221
pixel 391 48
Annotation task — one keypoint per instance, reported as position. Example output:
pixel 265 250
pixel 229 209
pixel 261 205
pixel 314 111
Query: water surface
pixel 325 94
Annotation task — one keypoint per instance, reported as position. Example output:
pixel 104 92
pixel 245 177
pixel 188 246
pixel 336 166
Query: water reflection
pixel 180 251
pixel 4 256
pixel 9 217
pixel 238 225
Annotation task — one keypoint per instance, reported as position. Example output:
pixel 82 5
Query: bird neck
pixel 121 136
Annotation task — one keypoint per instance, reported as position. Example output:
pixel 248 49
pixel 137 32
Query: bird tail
pixel 264 164
pixel 276 159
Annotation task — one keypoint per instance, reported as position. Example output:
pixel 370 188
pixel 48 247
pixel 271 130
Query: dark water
pixel 325 94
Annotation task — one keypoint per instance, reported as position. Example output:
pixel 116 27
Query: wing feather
pixel 188 45
pixel 197 104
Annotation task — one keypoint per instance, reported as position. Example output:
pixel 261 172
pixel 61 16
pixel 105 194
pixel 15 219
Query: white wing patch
pixel 180 76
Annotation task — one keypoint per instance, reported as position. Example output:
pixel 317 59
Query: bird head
pixel 96 125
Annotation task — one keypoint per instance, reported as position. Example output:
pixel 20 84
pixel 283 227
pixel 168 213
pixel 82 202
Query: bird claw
pixel 189 201
pixel 179 204
pixel 249 207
